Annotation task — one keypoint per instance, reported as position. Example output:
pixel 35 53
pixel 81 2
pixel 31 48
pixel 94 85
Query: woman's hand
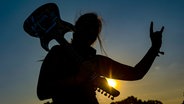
pixel 156 37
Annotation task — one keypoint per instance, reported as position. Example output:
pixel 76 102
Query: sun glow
pixel 111 82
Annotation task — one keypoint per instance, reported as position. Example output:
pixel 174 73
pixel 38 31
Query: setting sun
pixel 111 82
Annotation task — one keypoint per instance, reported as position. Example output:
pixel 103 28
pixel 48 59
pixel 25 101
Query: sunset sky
pixel 125 38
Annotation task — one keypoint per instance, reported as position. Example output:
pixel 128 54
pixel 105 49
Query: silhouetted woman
pixel 69 80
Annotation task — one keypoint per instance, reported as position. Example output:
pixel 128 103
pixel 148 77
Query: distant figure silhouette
pixel 71 72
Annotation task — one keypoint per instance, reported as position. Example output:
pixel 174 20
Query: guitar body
pixel 42 20
pixel 43 23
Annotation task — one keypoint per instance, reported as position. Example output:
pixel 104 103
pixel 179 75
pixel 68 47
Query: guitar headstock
pixel 104 88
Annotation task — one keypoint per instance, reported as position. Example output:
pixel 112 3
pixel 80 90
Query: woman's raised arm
pixel 113 69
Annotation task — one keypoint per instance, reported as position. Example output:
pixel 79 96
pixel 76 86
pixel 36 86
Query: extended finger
pixel 151 27
pixel 162 29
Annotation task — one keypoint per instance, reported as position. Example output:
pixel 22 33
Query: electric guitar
pixel 43 24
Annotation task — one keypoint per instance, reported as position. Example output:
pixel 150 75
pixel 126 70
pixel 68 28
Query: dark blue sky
pixel 125 37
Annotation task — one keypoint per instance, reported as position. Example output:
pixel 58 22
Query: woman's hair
pixel 87 22
pixel 89 25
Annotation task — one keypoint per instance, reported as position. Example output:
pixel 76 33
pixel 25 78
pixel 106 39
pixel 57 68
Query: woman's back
pixel 58 66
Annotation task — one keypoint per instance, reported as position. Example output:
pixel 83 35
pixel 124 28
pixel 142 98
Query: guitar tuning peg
pixel 106 94
pixel 112 98
pixel 98 90
pixel 102 92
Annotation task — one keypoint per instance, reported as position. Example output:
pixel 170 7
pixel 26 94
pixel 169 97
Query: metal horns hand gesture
pixel 156 37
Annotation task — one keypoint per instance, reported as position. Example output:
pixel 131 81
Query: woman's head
pixel 87 29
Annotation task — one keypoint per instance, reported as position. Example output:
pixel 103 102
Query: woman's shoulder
pixel 55 51
pixel 55 47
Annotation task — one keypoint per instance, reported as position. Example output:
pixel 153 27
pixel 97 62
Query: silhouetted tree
pixel 134 100
pixel 154 102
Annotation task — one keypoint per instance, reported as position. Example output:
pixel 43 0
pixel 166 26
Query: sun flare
pixel 111 82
